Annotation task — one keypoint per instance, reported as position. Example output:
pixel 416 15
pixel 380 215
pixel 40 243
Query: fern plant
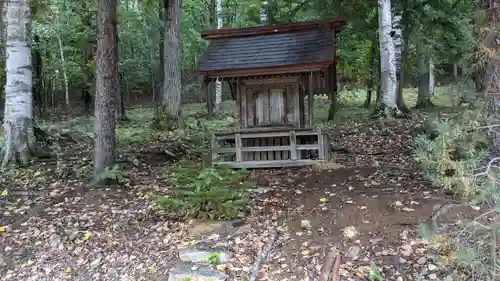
pixel 207 192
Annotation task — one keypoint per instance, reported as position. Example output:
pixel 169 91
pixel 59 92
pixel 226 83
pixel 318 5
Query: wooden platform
pixel 270 147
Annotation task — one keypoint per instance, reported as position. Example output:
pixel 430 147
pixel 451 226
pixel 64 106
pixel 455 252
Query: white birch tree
pixel 19 139
pixel 387 58
pixel 218 83
pixel 432 79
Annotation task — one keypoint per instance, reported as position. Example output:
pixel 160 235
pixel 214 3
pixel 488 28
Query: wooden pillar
pixel 293 145
pixel 310 99
pixel 238 144
pixel 210 98
pixel 238 100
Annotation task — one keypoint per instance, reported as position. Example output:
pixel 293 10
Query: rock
pixel 202 228
pixel 200 255
pixel 353 252
pixel 305 224
pixel 431 267
pixel 192 272
pixel 432 276
pixel 406 253
pixel 54 240
pixel 407 250
pixel 259 190
pixel 350 232
pixel 421 260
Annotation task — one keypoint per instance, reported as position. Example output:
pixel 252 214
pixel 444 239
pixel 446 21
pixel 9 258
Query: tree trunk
pixel 120 102
pixel 423 68
pixel 218 83
pixel 371 81
pixel 263 12
pixel 19 137
pixel 160 72
pixel 65 75
pixel 492 71
pixel 89 51
pixel 169 114
pixel 387 58
pixel 106 88
pixel 432 79
pixel 37 64
pixel 403 55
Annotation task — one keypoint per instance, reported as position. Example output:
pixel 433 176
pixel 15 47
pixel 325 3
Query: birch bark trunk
pixel 106 88
pixel 432 79
pixel 19 138
pixel 387 59
pixel 218 83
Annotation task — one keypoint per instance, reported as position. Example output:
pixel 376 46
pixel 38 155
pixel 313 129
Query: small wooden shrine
pixel 273 71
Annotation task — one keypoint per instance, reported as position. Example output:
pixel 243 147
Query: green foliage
pixel 213 258
pixel 112 174
pixel 206 192
pixel 450 149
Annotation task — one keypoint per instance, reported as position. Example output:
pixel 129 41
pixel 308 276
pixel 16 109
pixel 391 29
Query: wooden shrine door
pixel 270 105
pixel 270 108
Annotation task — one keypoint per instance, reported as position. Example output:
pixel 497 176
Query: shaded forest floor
pixel 56 229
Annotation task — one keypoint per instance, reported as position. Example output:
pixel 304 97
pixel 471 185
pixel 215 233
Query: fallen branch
pixel 262 256
pixel 331 266
pixel 336 267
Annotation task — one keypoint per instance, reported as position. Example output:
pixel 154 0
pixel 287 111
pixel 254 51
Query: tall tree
pixel 120 98
pixel 492 71
pixel 387 58
pixel 423 69
pixel 106 87
pixel 401 36
pixel 170 110
pixel 218 83
pixel 19 139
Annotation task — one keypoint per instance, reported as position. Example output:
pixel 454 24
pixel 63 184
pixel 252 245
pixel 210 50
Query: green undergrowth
pixel 206 192
pixel 451 147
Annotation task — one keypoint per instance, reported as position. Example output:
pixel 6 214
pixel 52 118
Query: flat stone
pixel 200 255
pixel 353 252
pixel 190 271
pixel 350 232
pixel 202 228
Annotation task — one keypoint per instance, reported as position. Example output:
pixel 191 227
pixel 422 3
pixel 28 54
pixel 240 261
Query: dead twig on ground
pixel 262 256
pixel 331 266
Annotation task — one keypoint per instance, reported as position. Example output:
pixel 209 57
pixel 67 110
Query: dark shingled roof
pixel 303 43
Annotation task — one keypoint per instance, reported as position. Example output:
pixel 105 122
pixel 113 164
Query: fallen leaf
pixel 2 229
pixel 68 270
pixel 407 209
pixel 85 236
pixel 4 193
pixel 323 199
pixel 305 252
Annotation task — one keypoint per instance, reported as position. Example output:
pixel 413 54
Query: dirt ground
pixel 114 233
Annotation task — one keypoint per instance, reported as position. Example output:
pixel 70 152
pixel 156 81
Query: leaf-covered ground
pixel 368 202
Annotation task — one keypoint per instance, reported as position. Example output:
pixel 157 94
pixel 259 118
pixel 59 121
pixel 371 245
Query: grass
pixel 138 128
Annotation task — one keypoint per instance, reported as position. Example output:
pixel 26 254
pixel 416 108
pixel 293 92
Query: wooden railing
pixel 270 147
